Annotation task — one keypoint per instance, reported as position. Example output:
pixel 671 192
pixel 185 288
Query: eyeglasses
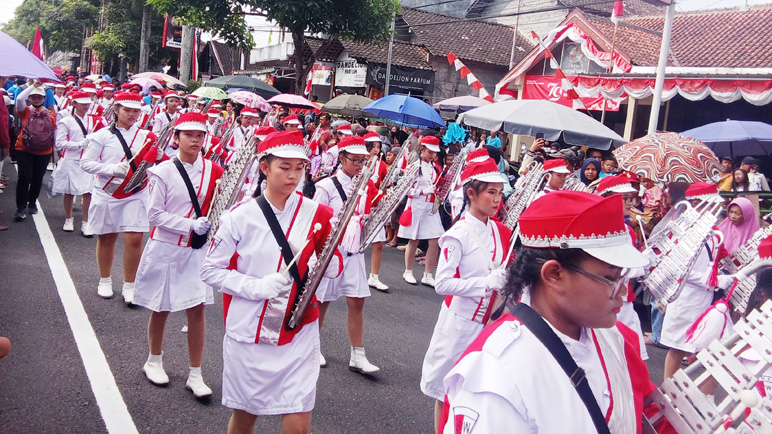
pixel 616 285
pixel 358 161
pixel 630 198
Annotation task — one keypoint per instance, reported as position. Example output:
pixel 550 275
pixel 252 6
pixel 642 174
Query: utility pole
pixel 514 38
pixel 144 39
pixel 186 53
pixel 388 61
pixel 659 84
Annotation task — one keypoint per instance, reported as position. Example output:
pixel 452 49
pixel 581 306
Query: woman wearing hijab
pixel 590 171
pixel 739 225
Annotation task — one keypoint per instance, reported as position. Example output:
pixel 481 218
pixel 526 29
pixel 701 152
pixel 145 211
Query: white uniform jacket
pixel 170 211
pixel 507 381
pixel 104 152
pixel 163 119
pixel 244 250
pixel 70 140
pixel 463 266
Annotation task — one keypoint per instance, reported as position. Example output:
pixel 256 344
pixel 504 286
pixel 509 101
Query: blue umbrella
pixel 727 137
pixel 21 63
pixel 235 89
pixel 405 110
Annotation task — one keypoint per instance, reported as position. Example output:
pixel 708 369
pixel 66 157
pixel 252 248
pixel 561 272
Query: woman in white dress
pixel 168 275
pixel 468 274
pixel 269 369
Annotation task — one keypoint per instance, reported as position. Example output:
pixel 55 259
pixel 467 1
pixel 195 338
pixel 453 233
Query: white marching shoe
pixel 322 361
pixel 85 228
pixel 69 225
pixel 409 278
pixel 376 283
pixel 196 384
pixel 428 279
pixel 154 370
pixel 359 363
pixel 105 288
pixel 128 292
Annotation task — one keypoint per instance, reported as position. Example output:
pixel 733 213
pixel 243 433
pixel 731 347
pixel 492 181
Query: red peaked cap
pixel 486 171
pixel 580 220
pixel 477 155
pixel 372 137
pixel 191 121
pixel 284 144
pixel 556 163
pixel 701 189
pixel 765 248
pixel 609 182
pixel 353 145
pixel 265 130
pixel 78 94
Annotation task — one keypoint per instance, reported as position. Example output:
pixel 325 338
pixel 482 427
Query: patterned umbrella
pixel 669 157
pixel 211 93
pixel 158 76
pixel 293 101
pixel 250 99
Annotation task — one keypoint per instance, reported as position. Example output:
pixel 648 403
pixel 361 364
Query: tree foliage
pixel 360 20
pixel 61 22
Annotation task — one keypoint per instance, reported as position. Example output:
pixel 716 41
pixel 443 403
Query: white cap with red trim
pixel 704 191
pixel 477 155
pixel 291 119
pixel 191 121
pixel 556 165
pixel 213 113
pixel 128 100
pixel 431 143
pixel 88 87
pixel 615 184
pixel 80 97
pixel 372 137
pixel 485 171
pixel 344 129
pixel 580 220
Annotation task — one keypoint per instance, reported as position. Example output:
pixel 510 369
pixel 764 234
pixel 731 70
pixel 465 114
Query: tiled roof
pixel 732 38
pixel 478 41
pixel 403 53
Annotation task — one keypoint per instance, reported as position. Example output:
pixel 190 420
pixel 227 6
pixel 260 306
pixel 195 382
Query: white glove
pixel 725 281
pixel 201 225
pixel 496 279
pixel 121 170
pixel 271 286
pixel 83 144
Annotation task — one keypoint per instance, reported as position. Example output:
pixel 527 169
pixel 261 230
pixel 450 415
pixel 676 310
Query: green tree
pixel 61 22
pixel 359 20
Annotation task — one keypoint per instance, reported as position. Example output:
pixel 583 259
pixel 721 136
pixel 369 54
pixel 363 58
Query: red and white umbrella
pixel 293 101
pixel 669 157
pixel 250 99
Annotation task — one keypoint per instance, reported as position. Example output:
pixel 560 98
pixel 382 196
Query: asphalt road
pixel 44 387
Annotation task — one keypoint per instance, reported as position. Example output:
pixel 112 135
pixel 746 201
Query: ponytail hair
pixel 478 187
pixel 341 154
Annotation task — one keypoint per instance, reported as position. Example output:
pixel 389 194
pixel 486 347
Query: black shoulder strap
pixel 536 324
pixel 80 124
pixel 126 148
pixel 339 187
pixel 189 185
pixel 286 251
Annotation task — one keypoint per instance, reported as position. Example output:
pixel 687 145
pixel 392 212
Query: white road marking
pixel 108 397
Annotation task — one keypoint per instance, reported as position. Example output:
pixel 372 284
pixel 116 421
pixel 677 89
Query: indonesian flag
pixel 37 45
pixel 309 82
pixel 619 8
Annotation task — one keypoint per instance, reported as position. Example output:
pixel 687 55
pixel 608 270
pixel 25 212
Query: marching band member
pixel 334 191
pixel 267 368
pixel 71 142
pixel 191 103
pixel 468 274
pixel 95 108
pixel 62 101
pixel 695 297
pixel 109 156
pixel 558 172
pixel 373 144
pixel 169 115
pixel 291 123
pixel 107 96
pixel 620 185
pixel 330 157
pixel 418 221
pixel 168 275
pixel 248 117
pixel 456 197
pixel 214 121
pixel 574 246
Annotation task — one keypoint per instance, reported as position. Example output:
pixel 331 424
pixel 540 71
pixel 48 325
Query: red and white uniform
pixel 353 281
pixel 267 369
pixel 377 178
pixel 168 277
pixel 238 138
pixel 163 119
pixel 69 178
pixel 95 109
pixel 113 210
pixel 524 389
pixel 425 224
pixel 104 102
pixel 461 273
pixel 63 107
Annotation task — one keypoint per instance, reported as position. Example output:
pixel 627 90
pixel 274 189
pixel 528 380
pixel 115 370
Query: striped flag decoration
pixel 470 78
pixel 565 83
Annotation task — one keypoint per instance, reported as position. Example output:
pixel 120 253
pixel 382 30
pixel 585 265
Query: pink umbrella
pixel 250 99
pixel 293 101
pixel 147 83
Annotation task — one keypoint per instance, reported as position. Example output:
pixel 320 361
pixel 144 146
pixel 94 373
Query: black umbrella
pixel 243 81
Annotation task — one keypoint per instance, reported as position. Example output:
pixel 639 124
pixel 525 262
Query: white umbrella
pixel 461 103
pixel 529 117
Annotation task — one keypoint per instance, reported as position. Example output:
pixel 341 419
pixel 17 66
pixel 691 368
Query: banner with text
pixel 549 88
pixel 403 78
pixel 350 73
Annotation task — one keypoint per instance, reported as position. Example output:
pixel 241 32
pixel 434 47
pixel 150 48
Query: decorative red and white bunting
pixel 470 78
pixel 565 84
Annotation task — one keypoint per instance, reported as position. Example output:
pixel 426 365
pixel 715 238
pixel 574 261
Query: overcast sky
pixel 262 29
